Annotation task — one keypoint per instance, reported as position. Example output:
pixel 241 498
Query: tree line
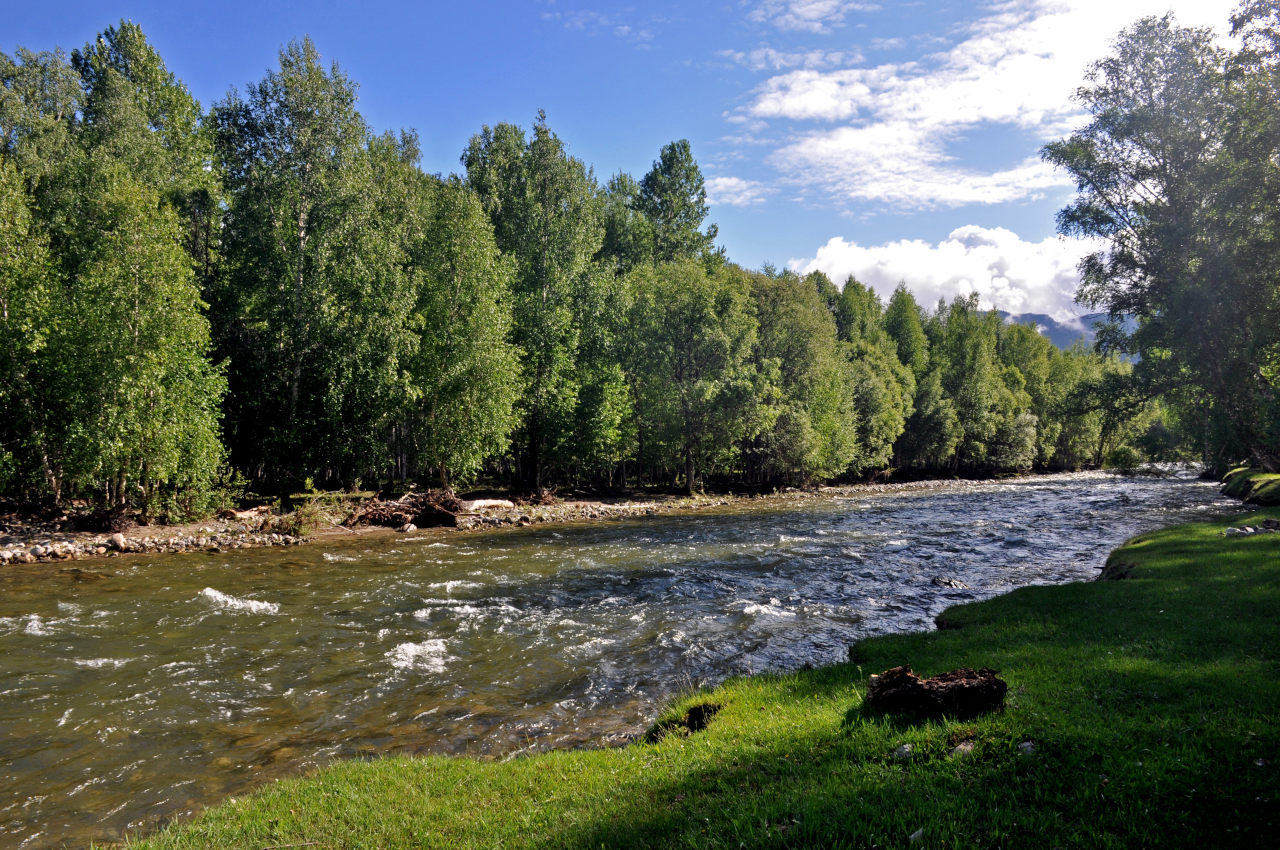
pixel 271 287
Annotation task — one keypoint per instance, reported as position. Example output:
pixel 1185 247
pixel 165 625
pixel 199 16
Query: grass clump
pixel 1141 713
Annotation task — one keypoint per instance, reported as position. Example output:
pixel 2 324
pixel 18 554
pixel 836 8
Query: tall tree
pixel 136 109
pixel 628 233
pixel 673 196
pixel 464 379
pixel 691 338
pixel 40 100
pixel 812 433
pixel 313 308
pixel 130 399
pixel 1176 174
pixel 546 214
pixel 883 388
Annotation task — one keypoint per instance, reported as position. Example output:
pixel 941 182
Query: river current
pixel 142 689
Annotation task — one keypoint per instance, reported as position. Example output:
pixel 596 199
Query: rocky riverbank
pixel 23 541
pixel 26 546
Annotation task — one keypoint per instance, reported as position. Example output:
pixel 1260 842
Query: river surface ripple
pixel 175 681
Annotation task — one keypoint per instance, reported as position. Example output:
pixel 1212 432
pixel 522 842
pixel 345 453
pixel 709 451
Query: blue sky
pixel 888 140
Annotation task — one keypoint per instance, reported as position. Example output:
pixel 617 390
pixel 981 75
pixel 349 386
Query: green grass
pixel 1252 485
pixel 1153 703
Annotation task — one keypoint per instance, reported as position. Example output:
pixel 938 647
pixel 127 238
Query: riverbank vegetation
pixel 268 294
pixel 1140 713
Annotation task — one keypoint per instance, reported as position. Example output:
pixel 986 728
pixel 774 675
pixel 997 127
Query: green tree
pixel 142 115
pixel 546 214
pixel 985 394
pixel 691 337
pixel 883 388
pixel 129 398
pixel 902 324
pixel 1176 174
pixel 24 320
pixel 628 233
pixel 40 101
pixel 811 434
pixel 464 374
pixel 673 196
pixel 313 308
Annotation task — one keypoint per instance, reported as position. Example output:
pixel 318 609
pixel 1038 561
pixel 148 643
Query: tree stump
pixel 959 693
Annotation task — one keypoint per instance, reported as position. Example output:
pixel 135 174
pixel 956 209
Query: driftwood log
pixel 959 693
pixel 433 508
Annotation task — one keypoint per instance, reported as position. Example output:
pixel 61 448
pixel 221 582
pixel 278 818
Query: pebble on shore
pixel 98 546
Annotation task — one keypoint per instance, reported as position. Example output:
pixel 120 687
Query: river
pixel 164 684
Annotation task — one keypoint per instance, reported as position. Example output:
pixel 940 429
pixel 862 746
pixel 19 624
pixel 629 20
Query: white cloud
pixel 1006 272
pixel 887 43
pixel 734 192
pixel 818 16
pixel 894 163
pixel 1017 67
pixel 769 59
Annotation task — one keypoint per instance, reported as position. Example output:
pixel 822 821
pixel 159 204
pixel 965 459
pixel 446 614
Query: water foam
pixel 37 626
pixel 98 663
pixel 429 656
pixel 450 586
pixel 231 603
pixel 773 609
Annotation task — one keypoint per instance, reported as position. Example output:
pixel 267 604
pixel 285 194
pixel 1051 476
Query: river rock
pixel 958 693
pixel 117 542
pixel 407 527
pixel 945 581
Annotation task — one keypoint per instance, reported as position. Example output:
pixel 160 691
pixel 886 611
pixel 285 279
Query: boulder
pixel 958 693
pixel 117 542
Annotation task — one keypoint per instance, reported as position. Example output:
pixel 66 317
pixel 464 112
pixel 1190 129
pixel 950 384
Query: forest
pixel 270 294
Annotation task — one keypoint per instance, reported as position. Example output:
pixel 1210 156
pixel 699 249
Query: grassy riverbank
pixel 1141 713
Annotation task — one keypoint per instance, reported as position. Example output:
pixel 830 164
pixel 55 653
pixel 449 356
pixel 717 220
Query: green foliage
pixel 463 376
pixel 628 232
pixel 126 354
pixel 546 214
pixel 370 321
pixel 1124 459
pixel 813 433
pixel 314 307
pixel 691 334
pixel 1177 173
pixel 673 197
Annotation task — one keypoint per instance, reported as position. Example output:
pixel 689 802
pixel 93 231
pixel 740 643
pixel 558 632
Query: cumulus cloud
pixel 1007 272
pixel 819 16
pixel 1015 67
pixel 734 192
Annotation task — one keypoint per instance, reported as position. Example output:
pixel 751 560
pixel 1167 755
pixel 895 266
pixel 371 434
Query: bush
pixel 1124 459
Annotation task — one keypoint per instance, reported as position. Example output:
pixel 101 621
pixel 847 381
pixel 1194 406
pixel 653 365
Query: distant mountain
pixel 1060 334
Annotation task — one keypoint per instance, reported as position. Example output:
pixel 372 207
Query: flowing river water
pixel 171 682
